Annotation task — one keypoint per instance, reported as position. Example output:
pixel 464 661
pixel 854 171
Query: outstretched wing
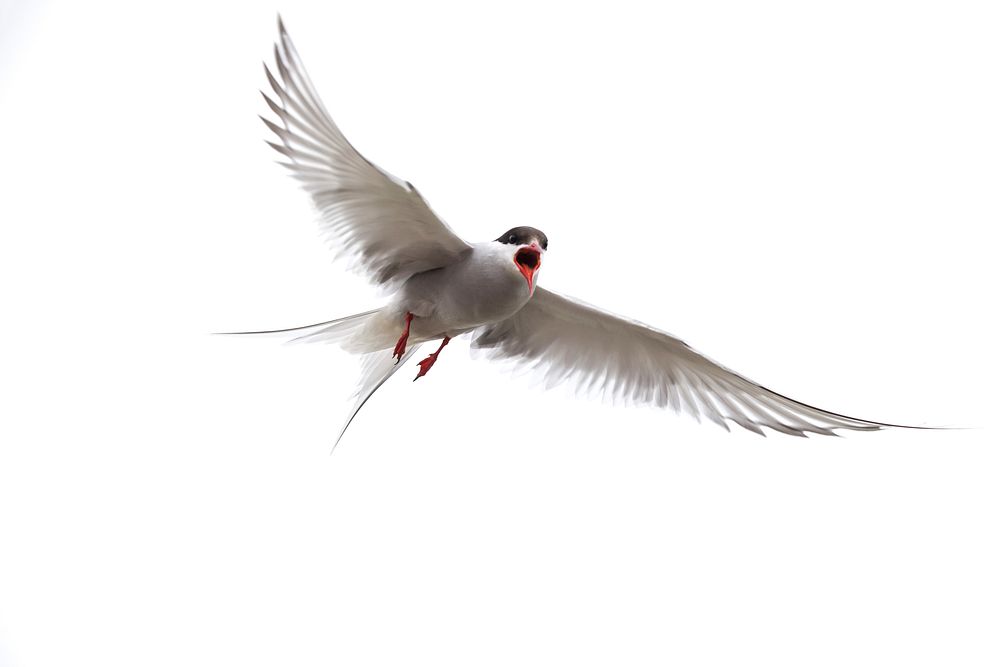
pixel 368 215
pixel 567 340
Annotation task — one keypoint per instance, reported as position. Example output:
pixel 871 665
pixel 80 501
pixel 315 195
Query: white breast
pixel 484 287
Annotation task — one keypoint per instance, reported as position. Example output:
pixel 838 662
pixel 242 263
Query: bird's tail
pixel 371 334
pixel 360 334
pixel 376 368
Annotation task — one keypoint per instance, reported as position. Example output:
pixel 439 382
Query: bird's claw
pixel 400 348
pixel 425 366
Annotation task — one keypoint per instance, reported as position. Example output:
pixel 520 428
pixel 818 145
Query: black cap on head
pixel 524 236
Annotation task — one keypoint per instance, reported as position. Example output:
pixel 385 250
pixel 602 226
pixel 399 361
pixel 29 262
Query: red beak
pixel 528 261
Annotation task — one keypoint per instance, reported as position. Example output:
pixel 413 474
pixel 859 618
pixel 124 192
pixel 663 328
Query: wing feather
pixel 567 340
pixel 367 215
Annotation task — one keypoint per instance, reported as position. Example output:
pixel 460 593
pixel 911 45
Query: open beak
pixel 528 260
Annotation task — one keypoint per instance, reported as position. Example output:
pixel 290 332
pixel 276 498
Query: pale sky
pixel 805 194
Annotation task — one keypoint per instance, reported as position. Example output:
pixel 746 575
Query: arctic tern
pixel 443 287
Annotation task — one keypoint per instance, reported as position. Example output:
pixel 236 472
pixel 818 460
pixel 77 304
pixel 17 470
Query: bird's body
pixel 442 287
pixel 482 287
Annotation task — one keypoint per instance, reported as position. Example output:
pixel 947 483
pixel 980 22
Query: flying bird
pixel 442 286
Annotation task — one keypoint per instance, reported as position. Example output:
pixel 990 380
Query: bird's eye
pixel 512 238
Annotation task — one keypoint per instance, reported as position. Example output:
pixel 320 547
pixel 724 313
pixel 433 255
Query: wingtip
pixel 930 428
pixel 283 34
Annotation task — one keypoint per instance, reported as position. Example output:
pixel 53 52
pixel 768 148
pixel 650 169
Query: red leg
pixel 426 364
pixel 400 348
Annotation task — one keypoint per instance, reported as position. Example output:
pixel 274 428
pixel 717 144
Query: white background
pixel 807 193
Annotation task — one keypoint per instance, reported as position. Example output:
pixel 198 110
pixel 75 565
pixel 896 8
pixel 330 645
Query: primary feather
pixel 379 222
pixel 450 287
pixel 569 341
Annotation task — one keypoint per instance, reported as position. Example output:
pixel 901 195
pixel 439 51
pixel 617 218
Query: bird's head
pixel 527 245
